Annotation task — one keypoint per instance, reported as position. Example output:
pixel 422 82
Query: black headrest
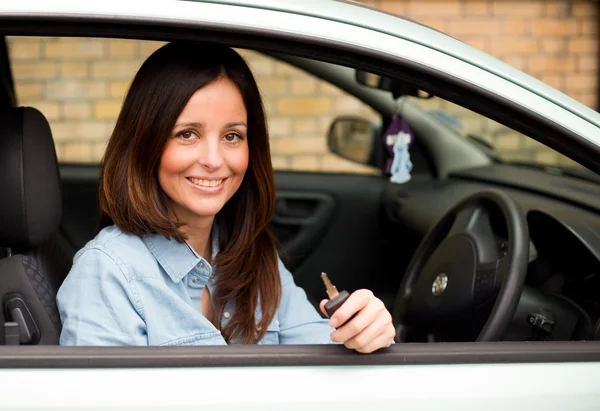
pixel 30 192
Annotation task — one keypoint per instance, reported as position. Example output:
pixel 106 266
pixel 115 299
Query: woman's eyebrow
pixel 191 124
pixel 200 125
pixel 236 123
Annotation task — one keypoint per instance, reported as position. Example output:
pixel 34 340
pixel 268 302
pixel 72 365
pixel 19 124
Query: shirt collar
pixel 178 259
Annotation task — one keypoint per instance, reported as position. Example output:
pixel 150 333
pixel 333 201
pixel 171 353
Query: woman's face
pixel 206 156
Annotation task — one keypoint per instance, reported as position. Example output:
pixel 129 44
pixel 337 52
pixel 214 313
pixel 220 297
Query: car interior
pixel 474 247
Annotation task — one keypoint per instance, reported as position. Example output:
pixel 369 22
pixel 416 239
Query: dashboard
pixel 564 228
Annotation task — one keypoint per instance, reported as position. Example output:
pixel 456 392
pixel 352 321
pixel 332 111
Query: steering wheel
pixel 460 266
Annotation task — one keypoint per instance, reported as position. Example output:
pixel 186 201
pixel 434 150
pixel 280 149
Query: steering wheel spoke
pixel 488 279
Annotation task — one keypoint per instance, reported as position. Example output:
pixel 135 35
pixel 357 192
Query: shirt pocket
pixel 272 334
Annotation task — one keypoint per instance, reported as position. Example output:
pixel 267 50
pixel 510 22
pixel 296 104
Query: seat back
pixel 30 212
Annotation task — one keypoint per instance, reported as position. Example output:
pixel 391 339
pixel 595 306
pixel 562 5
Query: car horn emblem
pixel 439 284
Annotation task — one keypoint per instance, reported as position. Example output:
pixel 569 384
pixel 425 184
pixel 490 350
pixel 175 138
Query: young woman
pixel 184 255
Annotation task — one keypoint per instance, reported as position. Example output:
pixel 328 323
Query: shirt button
pixel 226 314
pixel 195 280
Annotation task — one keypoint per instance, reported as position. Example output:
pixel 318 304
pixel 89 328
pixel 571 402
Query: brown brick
pixel 307 125
pixel 436 23
pixel 513 45
pixel 118 89
pixel 123 48
pixel 539 64
pixel 305 163
pixel 546 157
pixel 508 142
pixel 302 145
pixel 585 8
pixel 477 8
pixel 517 8
pixel 515 26
pixel 394 7
pixel 75 90
pixel 272 85
pixel 303 106
pixel 553 45
pixel 445 8
pixel 518 62
pixel 24 50
pixel 585 45
pixel 70 70
pixel 554 80
pixel 473 27
pixel 76 152
pixel 76 110
pixel 98 149
pixel 581 82
pixel 39 70
pixel 262 67
pixel 347 105
pixel 556 8
pixel 147 47
pixel 74 49
pixel 304 86
pixel 280 162
pixel 480 43
pixel 28 91
pixel 587 97
pixel 107 109
pixel 589 27
pixel 119 69
pixel 280 126
pixel 551 27
pixel 587 63
pixel 284 69
pixel 50 109
pixel 80 130
pixel 328 89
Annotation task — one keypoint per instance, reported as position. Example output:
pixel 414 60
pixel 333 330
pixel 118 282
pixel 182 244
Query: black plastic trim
pixel 298 355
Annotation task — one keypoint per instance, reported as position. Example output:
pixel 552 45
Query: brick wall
pixel 79 84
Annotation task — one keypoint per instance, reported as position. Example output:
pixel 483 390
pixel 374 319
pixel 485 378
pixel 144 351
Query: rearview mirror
pixel 352 138
pixel 396 87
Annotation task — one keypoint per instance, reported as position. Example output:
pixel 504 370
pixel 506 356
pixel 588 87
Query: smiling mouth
pixel 206 183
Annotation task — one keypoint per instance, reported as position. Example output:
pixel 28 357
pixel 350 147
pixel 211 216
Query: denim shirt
pixel 129 290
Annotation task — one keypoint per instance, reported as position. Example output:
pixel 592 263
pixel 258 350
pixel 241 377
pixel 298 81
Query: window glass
pixel 500 141
pixel 79 84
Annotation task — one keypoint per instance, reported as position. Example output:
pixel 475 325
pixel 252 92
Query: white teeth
pixel 205 183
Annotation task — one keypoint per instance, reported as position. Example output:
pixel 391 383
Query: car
pixel 488 260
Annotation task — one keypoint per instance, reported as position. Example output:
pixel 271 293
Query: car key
pixel 336 299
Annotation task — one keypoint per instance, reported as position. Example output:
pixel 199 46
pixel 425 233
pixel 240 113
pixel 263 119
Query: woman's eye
pixel 186 135
pixel 232 138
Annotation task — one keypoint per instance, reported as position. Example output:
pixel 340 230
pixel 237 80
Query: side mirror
pixel 352 138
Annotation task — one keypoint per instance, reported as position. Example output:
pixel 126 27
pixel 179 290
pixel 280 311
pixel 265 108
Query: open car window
pixel 79 84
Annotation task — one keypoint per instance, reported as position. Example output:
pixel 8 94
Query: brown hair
pixel 130 196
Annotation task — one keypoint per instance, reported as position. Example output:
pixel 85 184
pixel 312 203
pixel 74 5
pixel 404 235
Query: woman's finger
pixel 356 302
pixel 359 322
pixel 382 325
pixel 383 340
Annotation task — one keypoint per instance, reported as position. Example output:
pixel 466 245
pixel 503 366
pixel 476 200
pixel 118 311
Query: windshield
pixel 502 143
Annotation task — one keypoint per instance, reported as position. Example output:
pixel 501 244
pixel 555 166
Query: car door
pixel 548 375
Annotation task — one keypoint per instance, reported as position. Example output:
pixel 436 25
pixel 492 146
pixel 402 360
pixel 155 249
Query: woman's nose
pixel 210 155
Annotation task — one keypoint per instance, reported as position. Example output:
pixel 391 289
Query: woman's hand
pixel 369 330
